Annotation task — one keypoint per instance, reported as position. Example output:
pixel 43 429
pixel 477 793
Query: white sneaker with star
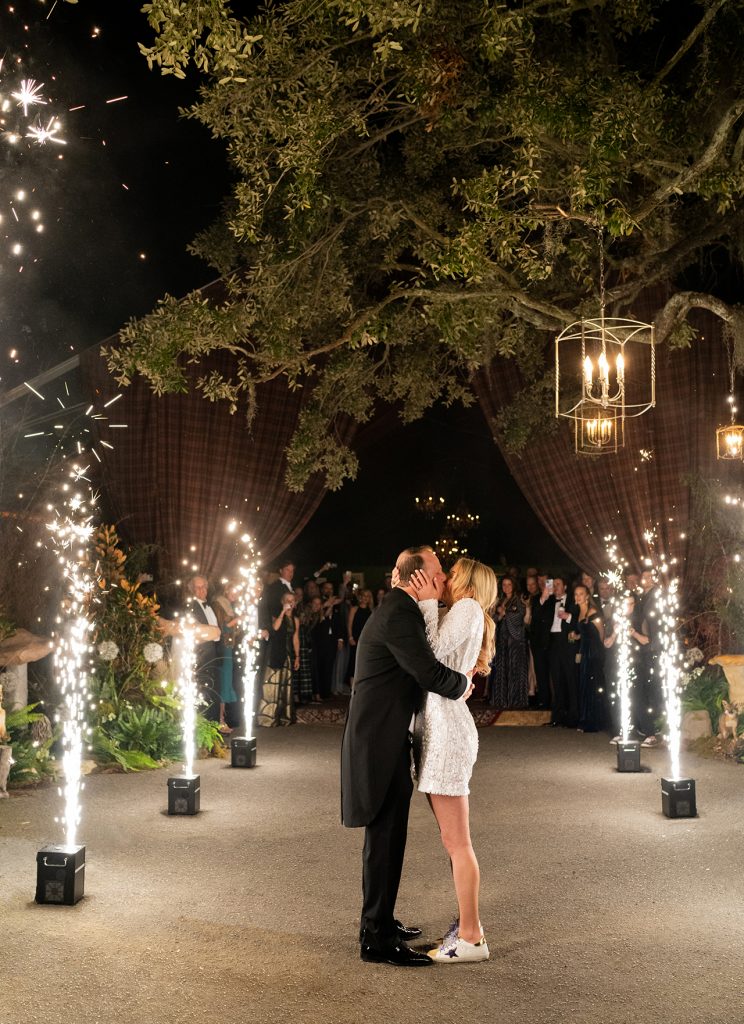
pixel 458 951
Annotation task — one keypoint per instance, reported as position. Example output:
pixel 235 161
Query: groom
pixel 394 664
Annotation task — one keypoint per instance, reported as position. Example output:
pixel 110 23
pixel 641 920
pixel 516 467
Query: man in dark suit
pixel 560 615
pixel 538 636
pixel 206 653
pixel 270 605
pixel 394 665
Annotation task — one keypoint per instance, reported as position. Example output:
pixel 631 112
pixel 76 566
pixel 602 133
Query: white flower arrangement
pixel 153 653
pixel 107 650
pixel 695 656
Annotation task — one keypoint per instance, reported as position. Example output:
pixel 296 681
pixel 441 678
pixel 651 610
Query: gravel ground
pixel 596 907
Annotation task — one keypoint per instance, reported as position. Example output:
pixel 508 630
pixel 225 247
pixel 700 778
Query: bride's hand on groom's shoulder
pixel 425 587
pixel 395 578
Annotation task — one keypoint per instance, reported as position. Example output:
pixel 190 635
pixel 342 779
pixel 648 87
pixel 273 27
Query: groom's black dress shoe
pixel 398 954
pixel 407 933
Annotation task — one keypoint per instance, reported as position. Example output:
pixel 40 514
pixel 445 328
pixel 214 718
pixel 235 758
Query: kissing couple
pixel 414 669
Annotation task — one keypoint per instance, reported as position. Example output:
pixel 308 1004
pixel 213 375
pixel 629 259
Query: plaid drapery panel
pixel 184 467
pixel 582 499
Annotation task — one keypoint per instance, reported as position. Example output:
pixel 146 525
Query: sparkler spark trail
pixel 72 530
pixel 28 95
pixel 670 658
pixel 42 134
pixel 670 669
pixel 24 131
pixel 186 659
pixel 622 627
pixel 246 608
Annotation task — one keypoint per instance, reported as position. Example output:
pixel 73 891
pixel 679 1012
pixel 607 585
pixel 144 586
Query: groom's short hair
pixel 410 560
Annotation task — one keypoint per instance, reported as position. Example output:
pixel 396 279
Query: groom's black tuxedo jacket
pixel 394 664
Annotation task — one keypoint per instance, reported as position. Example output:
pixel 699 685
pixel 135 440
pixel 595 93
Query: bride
pixel 446 740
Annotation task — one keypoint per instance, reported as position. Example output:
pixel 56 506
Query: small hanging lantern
pixel 730 439
pixel 616 361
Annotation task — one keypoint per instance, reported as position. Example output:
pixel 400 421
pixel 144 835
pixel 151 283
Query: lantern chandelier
pixel 612 375
pixel 730 439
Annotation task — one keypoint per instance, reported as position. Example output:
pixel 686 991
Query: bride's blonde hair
pixel 476 580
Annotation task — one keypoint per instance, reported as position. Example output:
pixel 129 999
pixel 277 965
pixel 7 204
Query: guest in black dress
pixel 276 706
pixel 589 632
pixel 358 617
pixel 509 681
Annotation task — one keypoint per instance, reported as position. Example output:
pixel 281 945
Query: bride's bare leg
pixel 453 817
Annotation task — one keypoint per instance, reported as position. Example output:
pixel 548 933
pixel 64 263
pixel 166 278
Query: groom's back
pixel 384 699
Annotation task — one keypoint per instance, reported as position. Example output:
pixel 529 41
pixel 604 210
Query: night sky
pixel 109 252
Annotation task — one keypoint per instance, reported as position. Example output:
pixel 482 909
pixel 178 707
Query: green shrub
pixel 706 689
pixel 32 761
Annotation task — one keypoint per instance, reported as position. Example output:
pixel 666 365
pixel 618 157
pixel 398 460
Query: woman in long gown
pixel 275 707
pixel 446 740
pixel 589 631
pixel 509 683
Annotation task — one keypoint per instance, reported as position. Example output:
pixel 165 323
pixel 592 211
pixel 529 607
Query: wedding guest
pixel 340 628
pixel 358 617
pixel 509 679
pixel 299 593
pixel 562 655
pixel 538 637
pixel 588 631
pixel 313 621
pixel 206 653
pixel 633 582
pixel 379 596
pixel 275 707
pixel 589 581
pixel 311 590
pixel 328 636
pixel 307 681
pixel 271 601
pixel 227 620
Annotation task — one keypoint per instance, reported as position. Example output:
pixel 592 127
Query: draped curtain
pixel 184 467
pixel 645 486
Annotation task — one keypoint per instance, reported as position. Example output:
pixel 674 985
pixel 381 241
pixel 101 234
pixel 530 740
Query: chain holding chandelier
pixel 612 375
pixel 730 438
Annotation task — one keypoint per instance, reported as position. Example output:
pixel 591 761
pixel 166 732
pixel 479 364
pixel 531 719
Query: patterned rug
pixel 333 712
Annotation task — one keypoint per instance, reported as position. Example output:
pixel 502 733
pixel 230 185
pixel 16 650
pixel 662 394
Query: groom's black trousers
pixel 382 859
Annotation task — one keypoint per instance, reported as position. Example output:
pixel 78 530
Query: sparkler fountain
pixel 60 876
pixel 678 797
pixel 628 751
pixel 184 791
pixel 243 748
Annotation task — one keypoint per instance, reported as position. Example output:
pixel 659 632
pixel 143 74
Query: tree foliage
pixel 418 185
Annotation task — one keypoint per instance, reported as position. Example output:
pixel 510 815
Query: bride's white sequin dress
pixel 445 736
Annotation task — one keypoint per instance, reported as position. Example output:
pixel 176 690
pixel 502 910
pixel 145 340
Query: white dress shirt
pixel 207 609
pixel 560 602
